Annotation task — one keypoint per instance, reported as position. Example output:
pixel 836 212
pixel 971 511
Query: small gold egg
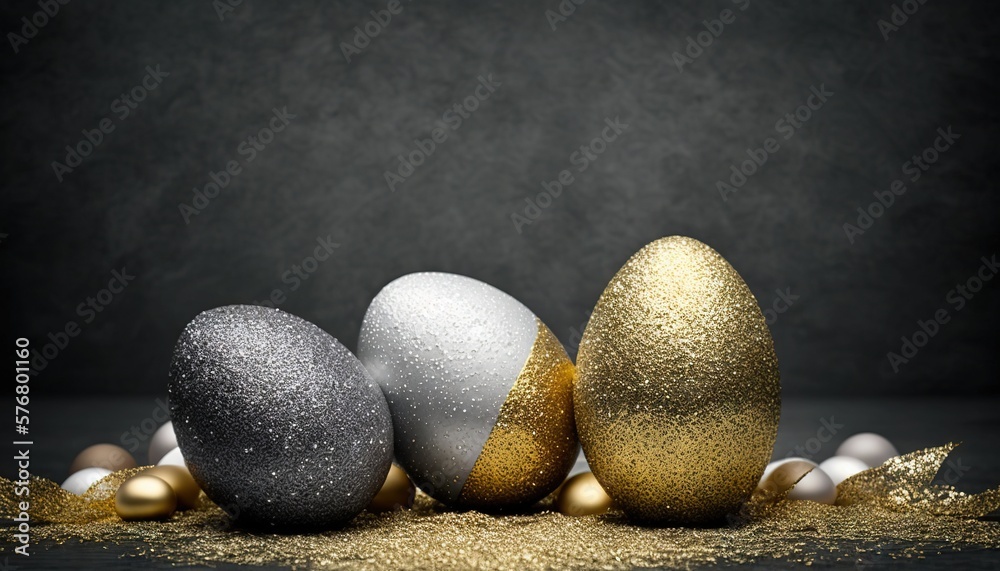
pixel 180 480
pixel 145 497
pixel 397 492
pixel 107 456
pixel 582 495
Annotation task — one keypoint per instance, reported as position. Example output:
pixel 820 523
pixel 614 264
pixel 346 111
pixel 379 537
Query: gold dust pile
pixel 893 510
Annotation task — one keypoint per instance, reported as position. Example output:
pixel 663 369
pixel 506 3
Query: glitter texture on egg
pixel 678 394
pixel 479 388
pixel 278 422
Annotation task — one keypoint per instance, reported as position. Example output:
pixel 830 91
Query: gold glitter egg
pixel 480 390
pixel 678 394
pixel 582 495
pixel 107 456
pixel 180 480
pixel 145 497
pixel 397 492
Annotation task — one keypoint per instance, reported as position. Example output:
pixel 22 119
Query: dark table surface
pixel 809 427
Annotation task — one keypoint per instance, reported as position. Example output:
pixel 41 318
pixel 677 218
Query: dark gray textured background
pixel 323 176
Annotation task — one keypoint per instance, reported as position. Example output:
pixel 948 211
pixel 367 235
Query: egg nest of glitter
pixel 890 512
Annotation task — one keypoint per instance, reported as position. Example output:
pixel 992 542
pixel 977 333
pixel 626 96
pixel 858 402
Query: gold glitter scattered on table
pixel 431 536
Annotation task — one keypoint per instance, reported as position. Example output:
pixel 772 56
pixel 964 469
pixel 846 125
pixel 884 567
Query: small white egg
pixel 815 486
pixel 79 482
pixel 163 441
pixel 840 468
pixel 172 458
pixel 872 449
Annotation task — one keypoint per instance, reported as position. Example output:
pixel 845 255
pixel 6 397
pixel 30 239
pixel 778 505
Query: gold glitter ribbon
pixel 893 511
pixel 902 484
pixel 905 483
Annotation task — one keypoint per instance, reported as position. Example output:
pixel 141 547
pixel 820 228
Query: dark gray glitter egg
pixel 277 421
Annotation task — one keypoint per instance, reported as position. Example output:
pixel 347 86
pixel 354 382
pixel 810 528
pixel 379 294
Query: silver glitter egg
pixel 480 390
pixel 277 421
